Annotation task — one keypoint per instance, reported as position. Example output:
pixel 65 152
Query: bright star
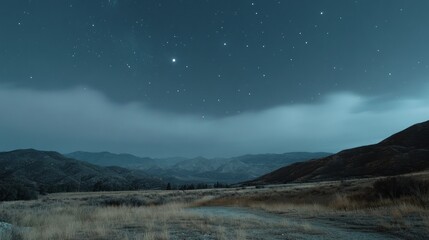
pixel 173 60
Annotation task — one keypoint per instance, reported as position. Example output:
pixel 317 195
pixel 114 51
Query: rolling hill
pixel 42 171
pixel 404 152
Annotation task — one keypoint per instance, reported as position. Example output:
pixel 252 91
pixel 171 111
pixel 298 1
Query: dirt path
pixel 276 226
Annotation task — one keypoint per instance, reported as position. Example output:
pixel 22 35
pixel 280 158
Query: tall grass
pixel 89 222
pixel 163 215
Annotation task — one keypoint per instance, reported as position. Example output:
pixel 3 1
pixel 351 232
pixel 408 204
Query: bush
pixel 17 191
pixel 125 201
pixel 397 187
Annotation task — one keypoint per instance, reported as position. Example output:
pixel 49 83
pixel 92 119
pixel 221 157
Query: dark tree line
pixel 17 191
pixel 196 186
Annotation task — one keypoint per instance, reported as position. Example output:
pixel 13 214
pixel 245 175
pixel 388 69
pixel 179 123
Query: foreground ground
pixel 328 210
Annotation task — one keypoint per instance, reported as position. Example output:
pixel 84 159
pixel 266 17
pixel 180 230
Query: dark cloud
pixel 84 119
pixel 247 76
pixel 251 57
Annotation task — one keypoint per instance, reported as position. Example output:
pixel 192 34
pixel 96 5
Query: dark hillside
pixel 404 152
pixel 42 171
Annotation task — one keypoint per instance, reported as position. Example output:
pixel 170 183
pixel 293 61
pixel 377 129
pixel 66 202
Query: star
pixel 173 60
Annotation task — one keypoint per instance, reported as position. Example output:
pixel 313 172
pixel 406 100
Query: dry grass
pixel 74 220
pixel 308 209
pixel 88 222
pixel 164 214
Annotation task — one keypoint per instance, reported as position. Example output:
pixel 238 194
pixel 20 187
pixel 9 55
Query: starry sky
pixel 210 77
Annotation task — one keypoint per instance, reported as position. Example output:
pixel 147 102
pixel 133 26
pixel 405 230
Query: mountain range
pixel 123 160
pixel 26 173
pixel 199 169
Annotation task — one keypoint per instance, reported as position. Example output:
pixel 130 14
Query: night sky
pixel 210 77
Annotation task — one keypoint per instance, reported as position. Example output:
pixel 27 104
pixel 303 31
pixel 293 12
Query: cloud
pixel 79 119
pixel 112 2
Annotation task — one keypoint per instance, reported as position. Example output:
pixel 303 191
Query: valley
pixel 379 191
pixel 196 170
pixel 214 120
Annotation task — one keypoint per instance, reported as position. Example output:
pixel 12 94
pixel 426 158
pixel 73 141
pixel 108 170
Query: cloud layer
pixel 79 119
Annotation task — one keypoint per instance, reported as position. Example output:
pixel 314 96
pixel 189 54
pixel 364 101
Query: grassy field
pixel 295 211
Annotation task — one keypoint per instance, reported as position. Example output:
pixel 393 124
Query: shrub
pixel 121 201
pixel 397 187
pixel 17 191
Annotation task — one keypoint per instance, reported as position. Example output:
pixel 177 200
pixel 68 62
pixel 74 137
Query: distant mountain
pixel 200 169
pixel 112 159
pixel 123 160
pixel 200 164
pixel 404 152
pixel 42 171
pixel 228 170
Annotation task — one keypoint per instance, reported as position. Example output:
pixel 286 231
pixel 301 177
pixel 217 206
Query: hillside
pixel 41 171
pixel 404 152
